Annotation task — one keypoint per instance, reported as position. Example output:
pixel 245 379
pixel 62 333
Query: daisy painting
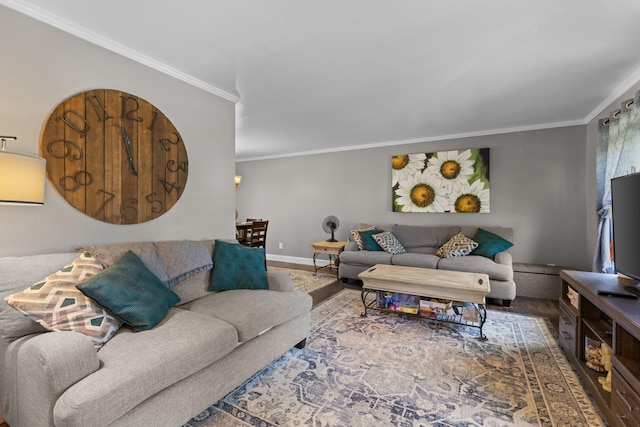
pixel 445 181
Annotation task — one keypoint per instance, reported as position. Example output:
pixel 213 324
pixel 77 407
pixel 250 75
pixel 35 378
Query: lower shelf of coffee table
pixel 458 307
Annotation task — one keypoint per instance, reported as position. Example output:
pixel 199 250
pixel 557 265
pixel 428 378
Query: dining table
pixel 242 229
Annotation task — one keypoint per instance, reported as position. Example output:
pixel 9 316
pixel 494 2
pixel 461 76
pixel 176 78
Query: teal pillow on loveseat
pixel 237 267
pixel 489 244
pixel 131 292
pixel 368 241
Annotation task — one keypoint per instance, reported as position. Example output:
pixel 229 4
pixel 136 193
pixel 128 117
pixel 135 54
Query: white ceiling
pixel 325 75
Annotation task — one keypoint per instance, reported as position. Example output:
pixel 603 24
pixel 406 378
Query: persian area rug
pixel 305 281
pixel 390 370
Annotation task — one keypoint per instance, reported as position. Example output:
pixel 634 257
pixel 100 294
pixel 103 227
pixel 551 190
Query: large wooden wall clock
pixel 114 156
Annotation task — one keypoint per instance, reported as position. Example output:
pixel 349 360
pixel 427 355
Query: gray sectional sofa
pixel 421 244
pixel 208 344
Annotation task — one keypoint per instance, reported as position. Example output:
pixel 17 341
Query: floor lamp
pixel 22 177
pixel 237 179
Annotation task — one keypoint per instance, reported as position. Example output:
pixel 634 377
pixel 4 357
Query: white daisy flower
pixel 472 198
pixel 453 167
pixel 405 165
pixel 422 192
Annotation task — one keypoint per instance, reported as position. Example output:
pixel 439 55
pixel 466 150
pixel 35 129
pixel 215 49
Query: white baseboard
pixel 296 260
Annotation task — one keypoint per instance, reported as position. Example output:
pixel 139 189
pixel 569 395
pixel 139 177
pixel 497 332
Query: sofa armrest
pixel 45 366
pixel 351 246
pixel 504 258
pixel 279 281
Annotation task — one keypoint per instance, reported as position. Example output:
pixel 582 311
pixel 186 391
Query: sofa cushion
pixel 252 312
pixel 412 236
pixel 197 286
pixel 458 245
pixel 17 274
pixel 423 250
pixel 56 303
pixel 182 259
pixel 237 267
pixel 135 366
pixel 416 260
pixel 365 257
pixel 388 242
pixel 193 288
pixel 131 292
pixel 477 264
pixel 489 244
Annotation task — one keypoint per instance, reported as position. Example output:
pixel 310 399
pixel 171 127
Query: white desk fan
pixel 330 224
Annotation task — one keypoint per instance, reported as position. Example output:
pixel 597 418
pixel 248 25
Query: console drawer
pixel 625 402
pixel 567 329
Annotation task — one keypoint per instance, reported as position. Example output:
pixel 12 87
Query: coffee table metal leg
pixel 482 317
pixel 372 304
pixel 363 297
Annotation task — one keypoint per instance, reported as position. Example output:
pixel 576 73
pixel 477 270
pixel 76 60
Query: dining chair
pixel 258 234
pixel 245 237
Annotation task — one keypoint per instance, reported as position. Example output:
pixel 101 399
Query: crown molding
pixel 422 140
pixel 622 88
pixel 106 43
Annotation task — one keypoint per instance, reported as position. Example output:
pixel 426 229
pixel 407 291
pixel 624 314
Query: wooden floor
pixel 523 305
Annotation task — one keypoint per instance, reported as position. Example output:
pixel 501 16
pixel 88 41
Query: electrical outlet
pixel 280 245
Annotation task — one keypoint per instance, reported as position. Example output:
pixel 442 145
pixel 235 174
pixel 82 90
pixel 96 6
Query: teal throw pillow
pixel 237 267
pixel 131 292
pixel 368 242
pixel 489 244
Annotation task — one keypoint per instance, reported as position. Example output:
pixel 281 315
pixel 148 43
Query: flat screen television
pixel 625 198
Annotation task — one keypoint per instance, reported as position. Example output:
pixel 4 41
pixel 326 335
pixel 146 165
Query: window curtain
pixel 618 154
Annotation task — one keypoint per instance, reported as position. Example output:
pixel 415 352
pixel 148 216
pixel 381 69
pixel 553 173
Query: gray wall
pixel 41 66
pixel 538 187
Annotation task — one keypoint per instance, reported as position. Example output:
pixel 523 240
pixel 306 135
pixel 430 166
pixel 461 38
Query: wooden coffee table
pixel 470 288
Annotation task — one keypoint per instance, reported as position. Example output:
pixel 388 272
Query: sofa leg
pixel 506 303
pixel 345 280
pixel 301 344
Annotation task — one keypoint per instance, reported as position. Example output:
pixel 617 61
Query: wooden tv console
pixel 611 320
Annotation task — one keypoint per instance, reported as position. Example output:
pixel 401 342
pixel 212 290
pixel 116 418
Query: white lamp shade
pixel 22 179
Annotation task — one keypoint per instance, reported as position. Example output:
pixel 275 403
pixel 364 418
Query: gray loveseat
pixel 421 244
pixel 208 344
